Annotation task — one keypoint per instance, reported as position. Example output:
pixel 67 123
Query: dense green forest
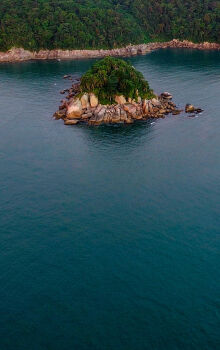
pixel 36 24
pixel 112 76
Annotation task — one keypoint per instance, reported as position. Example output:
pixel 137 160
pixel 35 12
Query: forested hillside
pixel 36 24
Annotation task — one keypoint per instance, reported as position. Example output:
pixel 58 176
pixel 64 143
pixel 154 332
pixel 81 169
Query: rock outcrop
pixel 87 108
pixel 19 54
pixel 191 109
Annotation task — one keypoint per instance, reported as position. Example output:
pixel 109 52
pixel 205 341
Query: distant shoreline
pixel 20 55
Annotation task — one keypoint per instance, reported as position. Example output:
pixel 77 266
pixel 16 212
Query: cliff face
pixel 19 54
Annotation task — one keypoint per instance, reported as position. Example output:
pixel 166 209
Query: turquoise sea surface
pixel 110 235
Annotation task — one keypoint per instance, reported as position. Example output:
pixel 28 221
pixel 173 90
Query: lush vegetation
pixel 112 76
pixel 36 24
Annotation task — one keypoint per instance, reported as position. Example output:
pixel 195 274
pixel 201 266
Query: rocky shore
pixel 19 54
pixel 85 108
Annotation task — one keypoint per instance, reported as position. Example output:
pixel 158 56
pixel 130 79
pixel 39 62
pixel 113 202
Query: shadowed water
pixel 110 235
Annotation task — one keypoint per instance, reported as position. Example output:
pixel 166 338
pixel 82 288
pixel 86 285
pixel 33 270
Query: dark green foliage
pixel 113 76
pixel 65 24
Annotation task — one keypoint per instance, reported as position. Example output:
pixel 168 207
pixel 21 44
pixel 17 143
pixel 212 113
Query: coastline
pixel 19 54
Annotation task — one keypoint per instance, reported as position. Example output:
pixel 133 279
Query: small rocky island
pixel 113 91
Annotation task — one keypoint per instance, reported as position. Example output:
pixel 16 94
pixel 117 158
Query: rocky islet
pixel 85 108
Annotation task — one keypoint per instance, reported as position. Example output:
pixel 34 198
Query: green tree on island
pixel 113 76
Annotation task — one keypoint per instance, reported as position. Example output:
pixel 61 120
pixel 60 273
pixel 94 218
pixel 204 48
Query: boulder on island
pixel 166 95
pixel 74 110
pixel 93 100
pixel 120 99
pixel 71 122
pixel 85 101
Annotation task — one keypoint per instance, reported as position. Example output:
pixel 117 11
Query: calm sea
pixel 110 235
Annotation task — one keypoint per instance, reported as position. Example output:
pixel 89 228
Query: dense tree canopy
pixel 36 24
pixel 113 76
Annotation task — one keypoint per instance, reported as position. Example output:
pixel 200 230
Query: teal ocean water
pixel 110 236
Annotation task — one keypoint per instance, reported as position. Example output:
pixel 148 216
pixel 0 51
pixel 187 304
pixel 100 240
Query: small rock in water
pixel 198 110
pixel 189 108
pixel 166 95
pixel 66 76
